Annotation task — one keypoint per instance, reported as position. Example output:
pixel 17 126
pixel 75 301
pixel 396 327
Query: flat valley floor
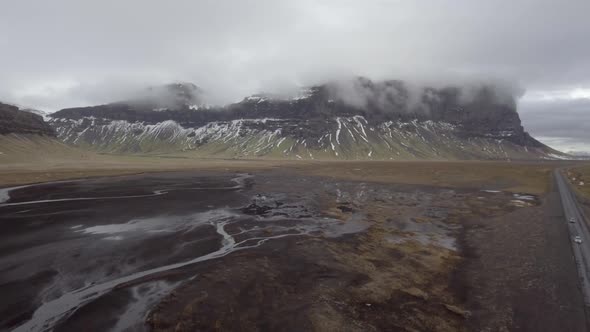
pixel 287 246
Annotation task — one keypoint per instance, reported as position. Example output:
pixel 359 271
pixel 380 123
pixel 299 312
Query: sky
pixel 67 53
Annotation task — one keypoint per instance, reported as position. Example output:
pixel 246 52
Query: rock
pixel 318 121
pixel 456 310
pixel 485 115
pixel 255 209
pixel 346 209
pixel 416 292
pixel 15 121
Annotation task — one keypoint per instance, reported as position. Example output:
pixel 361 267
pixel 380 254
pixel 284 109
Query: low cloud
pixel 416 96
pixel 235 48
pixel 67 53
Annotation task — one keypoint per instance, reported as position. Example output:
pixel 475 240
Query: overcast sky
pixel 65 53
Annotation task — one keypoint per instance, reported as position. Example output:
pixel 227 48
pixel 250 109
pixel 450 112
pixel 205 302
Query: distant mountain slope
pixel 25 138
pixel 36 150
pixel 16 121
pixel 362 120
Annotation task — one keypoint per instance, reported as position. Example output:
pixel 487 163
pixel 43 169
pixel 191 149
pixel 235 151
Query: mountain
pixel 360 119
pixel 580 155
pixel 170 96
pixel 41 113
pixel 16 121
pixel 25 138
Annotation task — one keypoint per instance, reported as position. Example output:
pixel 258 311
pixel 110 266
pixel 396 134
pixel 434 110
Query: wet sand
pixel 69 235
pixel 273 250
pixel 77 241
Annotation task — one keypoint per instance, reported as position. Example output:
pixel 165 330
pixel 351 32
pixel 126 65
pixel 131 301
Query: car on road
pixel 572 220
pixel 577 239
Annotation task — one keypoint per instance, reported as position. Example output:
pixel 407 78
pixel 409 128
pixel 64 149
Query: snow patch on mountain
pixel 341 137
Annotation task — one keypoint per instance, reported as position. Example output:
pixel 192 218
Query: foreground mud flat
pixel 262 251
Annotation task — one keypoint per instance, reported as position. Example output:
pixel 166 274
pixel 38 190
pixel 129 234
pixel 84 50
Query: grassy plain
pixel 580 178
pixel 24 160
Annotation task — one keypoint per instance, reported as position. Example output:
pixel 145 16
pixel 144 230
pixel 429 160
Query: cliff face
pixel 365 120
pixel 15 121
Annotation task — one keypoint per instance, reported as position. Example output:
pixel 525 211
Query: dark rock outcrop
pixel 484 114
pixel 15 121
pixel 357 119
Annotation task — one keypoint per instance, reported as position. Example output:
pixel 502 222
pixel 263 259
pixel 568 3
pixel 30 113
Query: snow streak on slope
pixel 337 138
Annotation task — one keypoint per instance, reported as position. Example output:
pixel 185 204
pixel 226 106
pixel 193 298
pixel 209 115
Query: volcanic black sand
pixel 274 251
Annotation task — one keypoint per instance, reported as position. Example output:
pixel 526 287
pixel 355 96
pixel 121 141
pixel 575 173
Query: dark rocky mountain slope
pixel 16 121
pixel 360 119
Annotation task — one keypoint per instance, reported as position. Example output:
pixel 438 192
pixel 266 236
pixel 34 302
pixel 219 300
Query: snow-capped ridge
pixel 343 137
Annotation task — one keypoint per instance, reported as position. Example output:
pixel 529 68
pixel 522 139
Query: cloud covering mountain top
pixel 67 53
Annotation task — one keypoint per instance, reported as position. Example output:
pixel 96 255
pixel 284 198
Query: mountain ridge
pixel 369 120
pixel 17 121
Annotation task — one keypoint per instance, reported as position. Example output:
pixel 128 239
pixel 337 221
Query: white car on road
pixel 572 220
pixel 577 239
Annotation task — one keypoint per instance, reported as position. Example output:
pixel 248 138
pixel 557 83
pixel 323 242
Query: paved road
pixel 580 228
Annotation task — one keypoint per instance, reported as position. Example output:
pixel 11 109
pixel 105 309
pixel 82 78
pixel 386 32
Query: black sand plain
pixel 278 251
